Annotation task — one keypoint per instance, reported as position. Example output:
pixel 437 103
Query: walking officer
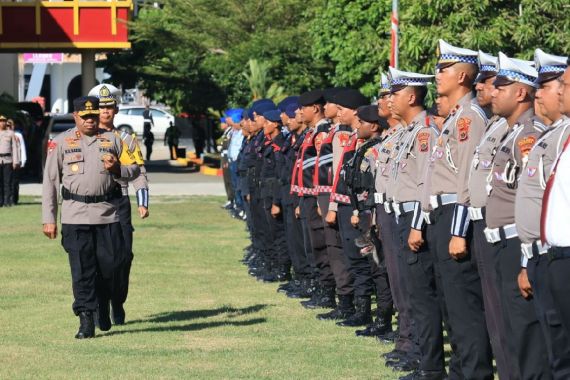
pixel 513 99
pixel 109 99
pixel 85 161
pixel 9 161
pixel 448 231
pixel 528 205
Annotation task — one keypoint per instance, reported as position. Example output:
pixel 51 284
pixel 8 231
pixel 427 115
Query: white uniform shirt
pixel 558 208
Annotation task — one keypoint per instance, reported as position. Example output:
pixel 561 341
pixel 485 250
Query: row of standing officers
pixel 436 215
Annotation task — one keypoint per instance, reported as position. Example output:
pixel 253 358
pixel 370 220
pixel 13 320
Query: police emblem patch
pixel 530 171
pixel 525 144
pixel 463 126
pixel 423 141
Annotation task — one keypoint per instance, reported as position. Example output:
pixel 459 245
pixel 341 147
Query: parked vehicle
pixel 130 119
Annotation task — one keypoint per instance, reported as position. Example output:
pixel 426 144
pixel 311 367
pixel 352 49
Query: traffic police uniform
pixel 91 232
pixel 509 164
pixel 131 155
pixel 9 157
pixel 480 172
pixel 449 199
pixel 528 206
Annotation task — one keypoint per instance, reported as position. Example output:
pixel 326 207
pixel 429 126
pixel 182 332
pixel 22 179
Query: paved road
pixel 163 178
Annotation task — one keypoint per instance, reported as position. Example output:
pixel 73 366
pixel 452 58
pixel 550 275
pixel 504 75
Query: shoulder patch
pixel 463 126
pixel 525 144
pixel 51 145
pixel 423 141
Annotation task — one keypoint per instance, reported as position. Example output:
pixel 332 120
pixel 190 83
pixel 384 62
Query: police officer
pixel 85 161
pixel 480 171
pixel 9 161
pixel 513 99
pixel 447 233
pixel 528 207
pixel 109 99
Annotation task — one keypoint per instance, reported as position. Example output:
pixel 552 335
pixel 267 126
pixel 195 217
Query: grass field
pixel 193 312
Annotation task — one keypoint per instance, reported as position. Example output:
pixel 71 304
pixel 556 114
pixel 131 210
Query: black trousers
pixel 262 231
pixel 121 290
pixel 337 256
pixel 277 246
pixel 519 313
pixel 296 243
pixel 425 298
pixel 307 242
pixel 555 335
pixel 463 297
pixel 386 226
pixel 318 243
pixel 381 280
pixel 499 333
pixel 6 184
pixel 16 186
pixel 96 252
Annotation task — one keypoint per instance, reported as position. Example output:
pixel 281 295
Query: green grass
pixel 193 312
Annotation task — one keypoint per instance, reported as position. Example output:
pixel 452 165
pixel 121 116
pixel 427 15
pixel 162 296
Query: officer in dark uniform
pixel 85 161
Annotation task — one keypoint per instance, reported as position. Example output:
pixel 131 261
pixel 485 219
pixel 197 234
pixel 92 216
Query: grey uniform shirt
pixel 528 203
pixel 9 148
pixel 483 161
pixel 74 161
pixel 508 166
pixel 384 149
pixel 452 155
pixel 413 153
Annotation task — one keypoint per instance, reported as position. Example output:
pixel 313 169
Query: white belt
pixel 402 208
pixel 379 198
pixel 388 207
pixel 527 249
pixel 493 235
pixel 476 213
pixel 441 200
pixel 124 191
pixel 426 216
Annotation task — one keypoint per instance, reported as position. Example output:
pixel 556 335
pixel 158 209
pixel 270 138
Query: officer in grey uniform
pixel 85 161
pixel 513 99
pixel 448 229
pixel 9 161
pixel 109 99
pixel 496 129
pixel 528 207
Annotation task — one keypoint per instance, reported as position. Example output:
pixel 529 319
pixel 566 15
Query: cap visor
pixel 88 112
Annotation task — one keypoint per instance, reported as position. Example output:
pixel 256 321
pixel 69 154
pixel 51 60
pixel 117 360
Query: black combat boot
pixel 343 310
pixel 86 325
pixel 380 327
pixel 118 313
pixel 306 289
pixel 283 273
pixel 101 318
pixel 363 315
pixel 324 299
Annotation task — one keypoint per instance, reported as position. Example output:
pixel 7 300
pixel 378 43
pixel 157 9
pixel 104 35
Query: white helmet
pixel 108 94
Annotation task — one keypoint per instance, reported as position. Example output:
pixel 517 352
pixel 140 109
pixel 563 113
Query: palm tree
pixel 258 80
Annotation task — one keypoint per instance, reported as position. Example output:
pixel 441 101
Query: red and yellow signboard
pixel 64 25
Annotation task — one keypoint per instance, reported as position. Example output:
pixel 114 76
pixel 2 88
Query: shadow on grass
pixel 186 315
pixel 189 327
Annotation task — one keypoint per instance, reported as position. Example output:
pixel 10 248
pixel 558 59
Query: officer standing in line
pixel 362 188
pixel 554 216
pixel 330 151
pixel 109 98
pixel 23 158
pixel 386 223
pixel 485 151
pixel 312 110
pixel 528 205
pixel 448 231
pixel 408 92
pixel 85 161
pixel 9 161
pixel 513 99
pixel 250 252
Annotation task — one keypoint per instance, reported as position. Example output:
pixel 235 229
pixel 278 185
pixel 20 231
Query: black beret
pixel 273 115
pixel 351 99
pixel 369 114
pixel 330 93
pixel 285 102
pixel 311 97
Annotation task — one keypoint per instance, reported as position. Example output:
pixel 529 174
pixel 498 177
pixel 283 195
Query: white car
pixel 130 119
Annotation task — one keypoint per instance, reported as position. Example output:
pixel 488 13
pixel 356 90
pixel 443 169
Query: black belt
pixel 558 253
pixel 5 154
pixel 66 195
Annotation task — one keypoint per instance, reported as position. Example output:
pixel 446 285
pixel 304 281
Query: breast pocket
pixel 73 164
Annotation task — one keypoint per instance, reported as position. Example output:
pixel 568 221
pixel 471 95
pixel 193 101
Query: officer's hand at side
pixel 143 212
pixel 16 166
pixel 331 217
pixel 50 230
pixel 275 210
pixel 524 284
pixel 354 220
pixel 248 198
pixel 297 212
pixel 415 240
pixel 457 247
pixel 111 164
